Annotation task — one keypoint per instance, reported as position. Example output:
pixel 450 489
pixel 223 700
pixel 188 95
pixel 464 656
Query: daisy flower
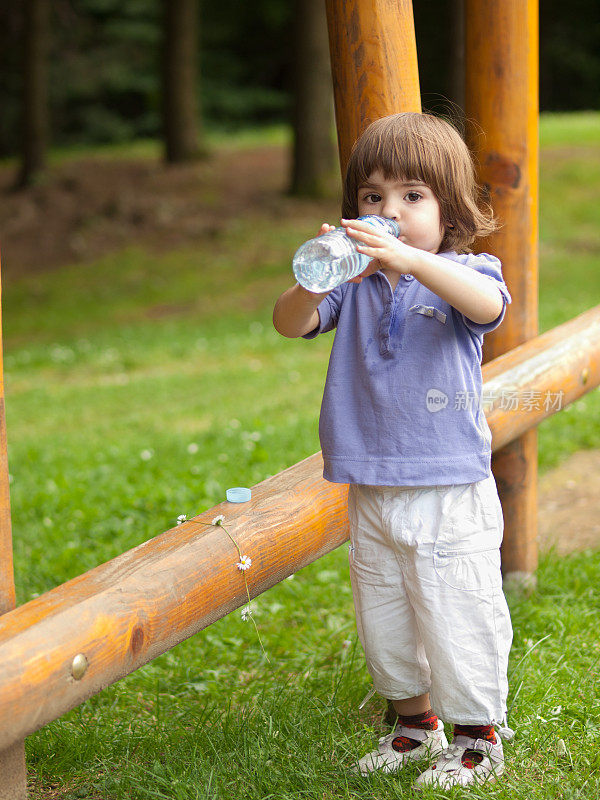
pixel 181 518
pixel 218 520
pixel 244 563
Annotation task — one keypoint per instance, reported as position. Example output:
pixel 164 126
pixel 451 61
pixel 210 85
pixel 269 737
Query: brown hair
pixel 422 147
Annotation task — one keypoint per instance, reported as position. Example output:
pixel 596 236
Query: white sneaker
pixel 465 762
pixel 386 759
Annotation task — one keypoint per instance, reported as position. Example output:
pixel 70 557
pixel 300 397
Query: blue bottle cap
pixel 239 494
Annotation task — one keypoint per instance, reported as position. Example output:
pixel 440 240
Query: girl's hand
pixel 386 250
pixel 325 228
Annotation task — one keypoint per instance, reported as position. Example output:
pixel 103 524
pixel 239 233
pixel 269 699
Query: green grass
pixel 140 387
pixel 212 720
pixel 215 138
pixel 567 129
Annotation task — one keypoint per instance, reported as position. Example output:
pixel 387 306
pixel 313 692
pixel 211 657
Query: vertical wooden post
pixel 13 775
pixel 502 128
pixel 373 64
pixel 375 73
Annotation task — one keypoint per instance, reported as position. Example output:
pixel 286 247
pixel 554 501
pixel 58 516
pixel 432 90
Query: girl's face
pixel 410 203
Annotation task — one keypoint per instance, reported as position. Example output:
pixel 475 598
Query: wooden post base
pixel 13 773
pixel 515 470
pixel 519 583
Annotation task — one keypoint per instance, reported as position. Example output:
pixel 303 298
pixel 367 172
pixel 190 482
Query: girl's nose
pixel 391 211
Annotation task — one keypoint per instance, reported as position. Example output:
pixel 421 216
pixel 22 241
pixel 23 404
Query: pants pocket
pixel 466 554
pixel 469 571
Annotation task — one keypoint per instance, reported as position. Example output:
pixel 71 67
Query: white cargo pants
pixel 430 611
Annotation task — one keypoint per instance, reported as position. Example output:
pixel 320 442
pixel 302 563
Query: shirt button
pixel 408 277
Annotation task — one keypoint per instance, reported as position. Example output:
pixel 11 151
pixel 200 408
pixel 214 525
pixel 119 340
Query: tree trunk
pixel 36 35
pixel 181 124
pixel 314 147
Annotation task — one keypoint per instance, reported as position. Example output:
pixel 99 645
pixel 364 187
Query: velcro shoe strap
pixel 493 752
pixel 417 734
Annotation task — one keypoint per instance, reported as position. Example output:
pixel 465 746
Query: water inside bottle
pixel 327 261
pixel 319 272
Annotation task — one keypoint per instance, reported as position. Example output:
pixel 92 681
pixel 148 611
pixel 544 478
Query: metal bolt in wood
pixel 79 666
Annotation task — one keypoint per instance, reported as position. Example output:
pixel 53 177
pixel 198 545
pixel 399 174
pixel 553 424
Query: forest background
pixel 97 69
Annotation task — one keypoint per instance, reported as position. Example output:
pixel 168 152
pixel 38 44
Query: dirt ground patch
pixel 91 206
pixel 87 207
pixel 569 504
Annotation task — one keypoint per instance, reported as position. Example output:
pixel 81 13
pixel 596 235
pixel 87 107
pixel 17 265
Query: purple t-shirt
pixel 402 398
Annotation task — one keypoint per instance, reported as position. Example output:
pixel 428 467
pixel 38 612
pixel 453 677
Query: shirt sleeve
pixel 489 266
pixel 329 312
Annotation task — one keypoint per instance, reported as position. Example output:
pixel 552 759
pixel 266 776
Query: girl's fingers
pixel 369 250
pixel 363 236
pixel 325 228
pixel 358 224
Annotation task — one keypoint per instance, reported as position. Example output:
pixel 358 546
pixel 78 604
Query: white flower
pixel 181 518
pixel 146 455
pixel 192 448
pixel 218 520
pixel 244 563
pixel 246 613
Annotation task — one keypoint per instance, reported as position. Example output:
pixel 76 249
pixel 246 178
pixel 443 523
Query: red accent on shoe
pixel 470 758
pixel 402 744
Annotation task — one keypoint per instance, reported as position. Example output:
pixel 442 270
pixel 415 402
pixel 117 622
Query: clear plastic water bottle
pixel 323 263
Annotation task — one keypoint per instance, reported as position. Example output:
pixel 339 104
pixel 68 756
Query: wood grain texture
pixel 139 605
pixel 557 367
pixel 373 63
pixel 501 63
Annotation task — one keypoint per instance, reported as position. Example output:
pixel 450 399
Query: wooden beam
pixel 373 64
pixel 502 106
pixel 13 774
pixel 126 612
pixel 122 614
pixel 541 377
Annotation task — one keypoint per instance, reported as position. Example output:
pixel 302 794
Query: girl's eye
pixel 373 198
pixel 412 197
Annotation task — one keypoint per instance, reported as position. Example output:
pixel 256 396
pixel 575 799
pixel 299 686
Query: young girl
pixel 402 423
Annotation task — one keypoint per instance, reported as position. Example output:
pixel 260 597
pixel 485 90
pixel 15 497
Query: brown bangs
pixel 425 148
pixel 398 158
